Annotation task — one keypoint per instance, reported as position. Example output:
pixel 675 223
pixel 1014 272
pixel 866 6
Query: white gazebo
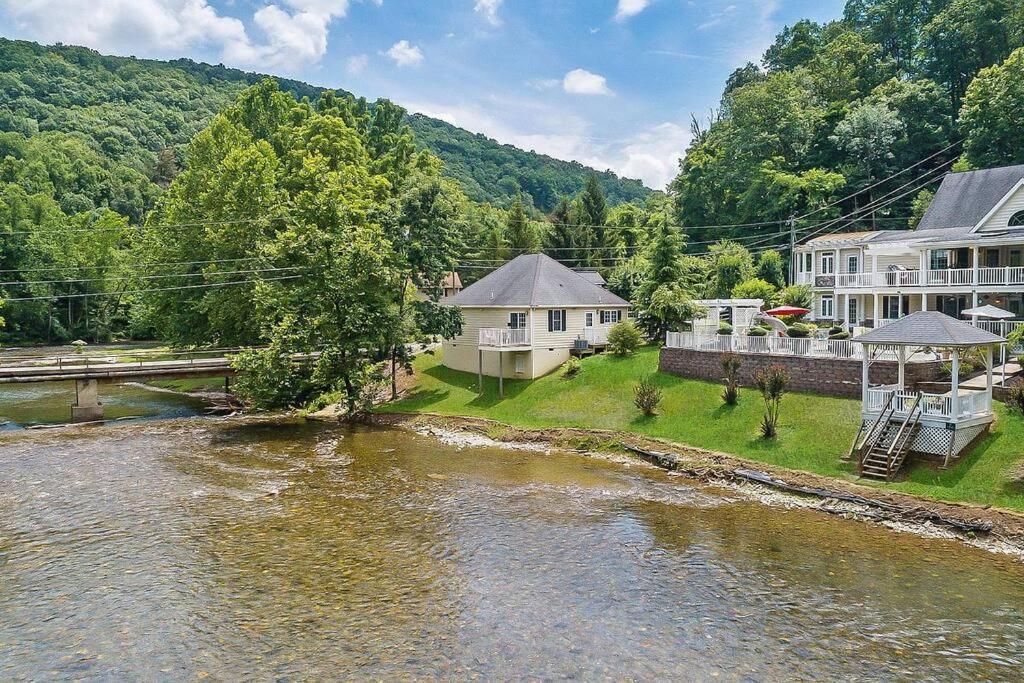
pixel 901 421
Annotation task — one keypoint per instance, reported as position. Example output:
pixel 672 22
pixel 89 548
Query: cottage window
pixel 827 307
pixel 1015 259
pixel 991 258
pixel 1016 220
pixel 517 321
pixel 808 260
pixel 853 263
pixel 556 321
pixel 939 259
pixel 610 317
pixel 828 263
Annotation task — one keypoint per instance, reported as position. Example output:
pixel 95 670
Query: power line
pixel 197 224
pixel 149 277
pixel 147 291
pixel 132 265
pixel 865 189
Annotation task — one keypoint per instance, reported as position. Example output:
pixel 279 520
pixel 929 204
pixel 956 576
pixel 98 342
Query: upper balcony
pixel 504 338
pixel 951 277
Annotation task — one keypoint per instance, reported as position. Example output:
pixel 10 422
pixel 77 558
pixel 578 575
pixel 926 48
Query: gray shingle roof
pixel 591 276
pixel 929 328
pixel 965 198
pixel 534 280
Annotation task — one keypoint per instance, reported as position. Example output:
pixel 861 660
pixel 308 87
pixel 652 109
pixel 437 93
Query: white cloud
pixel 651 155
pixel 630 8
pixel 489 10
pixel 583 82
pixel 356 64
pixel 287 34
pixel 405 54
pixel 543 83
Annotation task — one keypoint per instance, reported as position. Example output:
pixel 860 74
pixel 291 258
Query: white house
pixel 968 250
pixel 524 319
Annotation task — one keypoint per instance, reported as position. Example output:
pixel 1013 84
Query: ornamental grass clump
pixel 647 396
pixel 772 382
pixel 731 369
pixel 1015 398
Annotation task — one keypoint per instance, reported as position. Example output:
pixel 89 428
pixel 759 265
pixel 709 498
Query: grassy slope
pixel 815 432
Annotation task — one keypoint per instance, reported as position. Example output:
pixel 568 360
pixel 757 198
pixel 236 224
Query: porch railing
pixel 952 277
pixel 502 337
pixel 596 335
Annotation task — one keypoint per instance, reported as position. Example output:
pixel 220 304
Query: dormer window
pixel 1016 220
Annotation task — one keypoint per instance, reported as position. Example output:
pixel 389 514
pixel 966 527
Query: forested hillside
pixel 837 108
pixel 128 121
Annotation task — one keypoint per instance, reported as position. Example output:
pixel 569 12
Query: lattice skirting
pixel 935 441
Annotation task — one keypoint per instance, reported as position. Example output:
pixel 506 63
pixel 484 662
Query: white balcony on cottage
pixel 504 338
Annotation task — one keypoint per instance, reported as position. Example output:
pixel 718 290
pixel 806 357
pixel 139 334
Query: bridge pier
pixel 87 406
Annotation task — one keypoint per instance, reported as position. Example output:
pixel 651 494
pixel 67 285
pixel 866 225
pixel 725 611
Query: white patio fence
pixel 782 346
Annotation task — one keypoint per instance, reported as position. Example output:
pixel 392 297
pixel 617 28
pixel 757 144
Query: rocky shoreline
pixel 991 529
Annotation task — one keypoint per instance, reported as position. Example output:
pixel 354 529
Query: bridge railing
pixel 118 357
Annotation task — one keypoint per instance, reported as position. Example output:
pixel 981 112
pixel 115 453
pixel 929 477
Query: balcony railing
pixel 952 277
pixel 503 337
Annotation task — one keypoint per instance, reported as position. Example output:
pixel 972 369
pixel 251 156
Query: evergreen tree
pixel 561 242
pixel 593 215
pixel 521 233
pixel 772 268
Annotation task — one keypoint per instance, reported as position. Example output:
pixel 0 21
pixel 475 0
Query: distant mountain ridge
pixel 128 109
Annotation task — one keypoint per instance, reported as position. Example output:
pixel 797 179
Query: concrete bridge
pixel 89 372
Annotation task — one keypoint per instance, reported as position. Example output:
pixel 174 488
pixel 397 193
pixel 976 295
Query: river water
pixel 244 549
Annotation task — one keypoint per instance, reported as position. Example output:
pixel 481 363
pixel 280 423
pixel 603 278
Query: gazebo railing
pixel 935 406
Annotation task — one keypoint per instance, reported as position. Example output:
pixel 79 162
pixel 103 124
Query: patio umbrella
pixel 987 311
pixel 780 311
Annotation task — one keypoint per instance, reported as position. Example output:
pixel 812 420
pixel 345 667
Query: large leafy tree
pixel 993 115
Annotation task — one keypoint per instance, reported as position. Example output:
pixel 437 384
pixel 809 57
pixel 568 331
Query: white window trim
pixel 832 258
pixel 516 315
pixel 831 314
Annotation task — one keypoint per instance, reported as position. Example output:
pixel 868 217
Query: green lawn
pixel 816 431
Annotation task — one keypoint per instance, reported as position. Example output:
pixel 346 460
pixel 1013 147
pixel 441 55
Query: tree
pixel 771 268
pixel 964 38
pixel 562 238
pixel 660 298
pixel 624 338
pixel 867 135
pixel 991 115
pixel 798 296
pixel 731 264
pixel 920 204
pixel 755 288
pixel 521 233
pixel 593 215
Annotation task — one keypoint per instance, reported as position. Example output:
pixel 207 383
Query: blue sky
pixel 610 83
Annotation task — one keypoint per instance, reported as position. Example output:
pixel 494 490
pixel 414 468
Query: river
pixel 235 549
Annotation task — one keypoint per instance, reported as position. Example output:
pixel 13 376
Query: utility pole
pixel 792 250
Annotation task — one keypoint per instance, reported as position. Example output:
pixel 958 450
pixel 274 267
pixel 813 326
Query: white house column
pixel 924 301
pixel 876 314
pixel 955 399
pixel 901 377
pixel 974 279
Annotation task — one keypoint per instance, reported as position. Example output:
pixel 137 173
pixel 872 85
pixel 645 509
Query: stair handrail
pixel 899 435
pixel 902 453
pixel 874 426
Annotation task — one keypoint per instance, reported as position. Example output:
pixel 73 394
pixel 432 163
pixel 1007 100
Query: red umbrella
pixel 781 311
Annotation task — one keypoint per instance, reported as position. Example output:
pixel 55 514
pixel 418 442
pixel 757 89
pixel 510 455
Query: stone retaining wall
pixel 829 376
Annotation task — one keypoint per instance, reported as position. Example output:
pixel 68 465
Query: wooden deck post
pixel 902 369
pixel 988 378
pixel 480 372
pixel 866 353
pixel 501 377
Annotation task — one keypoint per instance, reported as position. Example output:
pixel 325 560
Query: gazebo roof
pixel 929 328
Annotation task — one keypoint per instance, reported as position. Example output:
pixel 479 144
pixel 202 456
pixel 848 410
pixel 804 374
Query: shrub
pixel 724 329
pixel 798 331
pixel 772 383
pixel 1016 338
pixel 1015 397
pixel 835 329
pixel 647 396
pixel 839 335
pixel 800 296
pixel 754 288
pixel 624 338
pixel 731 368
pixel 757 332
pixel 571 367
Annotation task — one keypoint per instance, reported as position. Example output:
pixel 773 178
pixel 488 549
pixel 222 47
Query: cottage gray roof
pixel 534 280
pixel 963 199
pixel 591 276
pixel 929 328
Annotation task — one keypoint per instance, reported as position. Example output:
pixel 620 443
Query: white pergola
pixel 742 311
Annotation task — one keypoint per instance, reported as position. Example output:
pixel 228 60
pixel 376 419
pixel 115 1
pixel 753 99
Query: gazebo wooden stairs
pixel 885 444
